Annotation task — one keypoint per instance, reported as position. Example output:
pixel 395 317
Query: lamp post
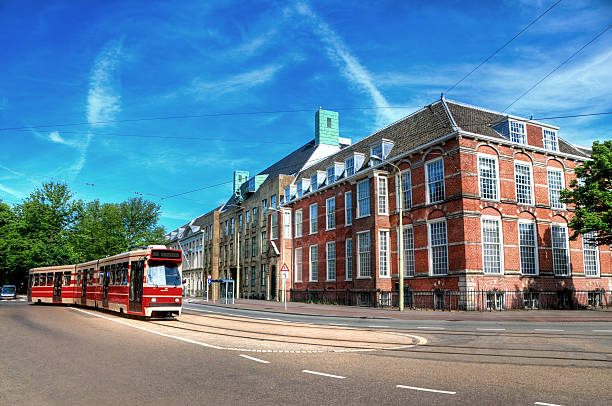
pixel 400 239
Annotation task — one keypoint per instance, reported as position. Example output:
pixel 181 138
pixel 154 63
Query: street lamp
pixel 400 241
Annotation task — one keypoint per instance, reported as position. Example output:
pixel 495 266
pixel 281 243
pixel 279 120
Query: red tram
pixel 145 282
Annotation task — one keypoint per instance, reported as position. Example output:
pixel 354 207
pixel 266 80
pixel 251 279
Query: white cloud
pixel 352 69
pixel 205 89
pixel 103 102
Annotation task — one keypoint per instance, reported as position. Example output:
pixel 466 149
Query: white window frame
pixel 535 247
pixel 384 253
pixel 273 227
pixel 400 193
pixel 549 141
pixel 369 254
pixel 314 220
pixel 531 183
pixel 286 223
pixel 409 268
pixel 367 198
pixel 330 213
pixel 298 223
pixel 330 257
pixel 348 256
pixel 316 264
pixel 427 164
pixel 480 178
pixel 348 208
pixel 523 136
pixel 567 250
pixel 500 243
pixel 298 264
pixel 430 246
pixel 331 179
pixel 383 194
pixel 314 182
pixel 550 191
pixel 352 167
pixel 590 247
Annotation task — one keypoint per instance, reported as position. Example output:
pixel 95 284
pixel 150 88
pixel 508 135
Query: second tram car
pixel 145 282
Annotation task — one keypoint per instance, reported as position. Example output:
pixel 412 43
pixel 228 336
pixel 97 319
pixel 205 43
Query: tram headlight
pixel 154 299
pixel 176 299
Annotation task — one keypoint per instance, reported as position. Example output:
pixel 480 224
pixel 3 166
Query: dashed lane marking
pixel 323 374
pixel 254 359
pixel 550 330
pixel 602 331
pixel 430 328
pixel 546 404
pixel 377 326
pixel 338 324
pixel 427 390
pixel 491 329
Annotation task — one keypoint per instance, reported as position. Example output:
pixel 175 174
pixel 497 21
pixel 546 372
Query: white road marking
pixel 377 326
pixel 546 329
pixel 546 404
pixel 338 324
pixel 431 328
pixel 269 319
pixel 602 331
pixel 491 329
pixel 254 359
pixel 322 374
pixel 427 390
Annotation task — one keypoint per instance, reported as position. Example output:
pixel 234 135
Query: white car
pixel 8 292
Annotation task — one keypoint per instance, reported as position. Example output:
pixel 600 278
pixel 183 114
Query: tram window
pixel 49 279
pixel 35 276
pixel 67 277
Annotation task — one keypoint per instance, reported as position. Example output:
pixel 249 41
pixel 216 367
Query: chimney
pixel 327 130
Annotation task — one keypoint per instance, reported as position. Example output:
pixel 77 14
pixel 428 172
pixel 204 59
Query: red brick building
pixel 483 224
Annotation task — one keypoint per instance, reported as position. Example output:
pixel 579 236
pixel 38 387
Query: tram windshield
pixel 163 273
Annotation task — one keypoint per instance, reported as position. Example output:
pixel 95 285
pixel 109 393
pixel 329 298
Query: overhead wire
pixel 503 46
pixel 557 67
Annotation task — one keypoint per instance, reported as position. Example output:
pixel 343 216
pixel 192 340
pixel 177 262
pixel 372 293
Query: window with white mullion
pixel 348 208
pixel 349 167
pixel 487 177
pixel 348 252
pixel 383 198
pixel 555 185
pixel 331 261
pixel 491 246
pixel 363 198
pixel 522 179
pixel 406 190
pixel 528 248
pixel 517 132
pixel 383 253
pixel 590 254
pixel 438 248
pixel 435 180
pixel 313 219
pixel 560 250
pixel 408 251
pixel 298 264
pixel 550 140
pixel 298 223
pixel 314 267
pixel 330 209
pixel 363 251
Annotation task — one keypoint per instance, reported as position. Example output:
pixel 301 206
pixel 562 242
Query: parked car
pixel 8 292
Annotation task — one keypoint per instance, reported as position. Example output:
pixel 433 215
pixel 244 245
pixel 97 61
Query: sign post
pixel 285 276
pixel 208 279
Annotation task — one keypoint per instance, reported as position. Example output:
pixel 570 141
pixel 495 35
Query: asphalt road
pixel 60 355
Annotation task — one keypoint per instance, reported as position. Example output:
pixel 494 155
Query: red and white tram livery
pixel 145 282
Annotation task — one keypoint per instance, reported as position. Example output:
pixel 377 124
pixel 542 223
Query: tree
pixel 592 197
pixel 7 223
pixel 99 231
pixel 139 218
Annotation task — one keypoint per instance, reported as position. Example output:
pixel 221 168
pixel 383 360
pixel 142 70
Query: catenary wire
pixel 557 67
pixel 503 46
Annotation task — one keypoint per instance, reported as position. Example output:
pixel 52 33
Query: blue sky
pixel 66 62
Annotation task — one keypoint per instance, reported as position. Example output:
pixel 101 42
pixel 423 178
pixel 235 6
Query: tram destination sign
pixel 166 254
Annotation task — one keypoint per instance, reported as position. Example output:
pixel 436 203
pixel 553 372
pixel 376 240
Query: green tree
pixel 139 218
pixel 592 197
pixel 99 231
pixel 7 224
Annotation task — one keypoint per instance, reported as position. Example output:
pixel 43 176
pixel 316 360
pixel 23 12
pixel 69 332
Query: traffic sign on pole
pixel 285 271
pixel 209 279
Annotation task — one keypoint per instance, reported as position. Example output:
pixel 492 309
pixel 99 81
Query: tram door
pixel 136 276
pixel 105 283
pixel 57 287
pixel 84 287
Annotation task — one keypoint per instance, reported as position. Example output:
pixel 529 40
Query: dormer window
pixel 517 132
pixel 331 175
pixel 380 152
pixel 313 182
pixel 550 139
pixel 349 164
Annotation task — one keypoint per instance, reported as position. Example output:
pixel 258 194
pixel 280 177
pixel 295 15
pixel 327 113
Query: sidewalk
pixel 310 309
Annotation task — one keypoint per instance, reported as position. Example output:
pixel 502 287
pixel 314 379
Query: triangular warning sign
pixel 284 268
